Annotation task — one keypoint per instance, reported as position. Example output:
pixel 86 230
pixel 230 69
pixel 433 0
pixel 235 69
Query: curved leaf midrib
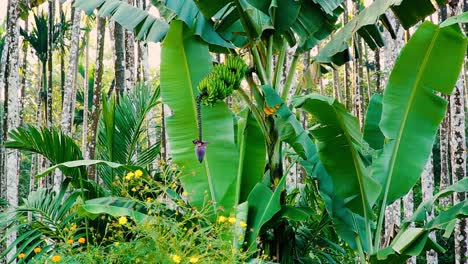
pixel 194 108
pixel 359 171
pixel 406 114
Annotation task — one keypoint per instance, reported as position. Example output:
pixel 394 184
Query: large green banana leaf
pixel 263 205
pixel 252 152
pixel 412 112
pixel 185 61
pixel 151 28
pixel 303 22
pixel 339 141
pixel 347 224
pixel 409 12
pixel 145 26
pixel 372 133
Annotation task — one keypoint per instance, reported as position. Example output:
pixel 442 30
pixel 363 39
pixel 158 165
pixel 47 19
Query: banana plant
pixel 265 28
pixel 409 117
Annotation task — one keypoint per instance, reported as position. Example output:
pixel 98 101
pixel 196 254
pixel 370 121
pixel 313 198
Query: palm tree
pixel 38 40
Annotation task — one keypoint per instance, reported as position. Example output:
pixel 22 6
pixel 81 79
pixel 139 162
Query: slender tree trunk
pixel 119 63
pixel 130 56
pixel 458 152
pixel 458 164
pixel 346 77
pixel 50 45
pixel 70 82
pixel 358 107
pixel 71 73
pixel 84 138
pixel 408 209
pixel 337 85
pixel 96 110
pixel 377 71
pixel 62 60
pixel 4 121
pixel 368 76
pixel 427 186
pixel 24 70
pixel 444 135
pixel 11 83
pixel 392 221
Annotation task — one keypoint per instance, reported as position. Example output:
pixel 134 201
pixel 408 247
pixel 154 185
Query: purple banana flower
pixel 200 149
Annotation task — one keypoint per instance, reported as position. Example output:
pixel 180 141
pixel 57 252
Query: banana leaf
pixel 339 142
pixel 412 111
pixel 185 61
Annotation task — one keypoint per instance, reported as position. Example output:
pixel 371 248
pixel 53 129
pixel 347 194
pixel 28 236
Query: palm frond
pixel 51 214
pixel 121 130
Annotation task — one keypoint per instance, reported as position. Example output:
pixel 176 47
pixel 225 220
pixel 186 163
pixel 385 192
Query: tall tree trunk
pixel 10 80
pixel 70 82
pixel 346 77
pixel 377 71
pixel 408 209
pixel 458 164
pixel 444 134
pixel 458 152
pixel 50 46
pixel 62 59
pixel 130 56
pixel 427 186
pixel 84 137
pixel 24 70
pixel 358 106
pixel 337 85
pixel 119 63
pixel 96 110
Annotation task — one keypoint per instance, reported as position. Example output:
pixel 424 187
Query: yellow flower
pixel 56 258
pixel 193 260
pixel 21 255
pixel 133 189
pixel 185 193
pixel 243 224
pixel 129 176
pixel 37 250
pixel 148 200
pixel 70 241
pixel 123 220
pixel 221 219
pixel 232 220
pixel 73 228
pixel 174 168
pixel 81 240
pixel 146 187
pixel 176 259
pixel 138 174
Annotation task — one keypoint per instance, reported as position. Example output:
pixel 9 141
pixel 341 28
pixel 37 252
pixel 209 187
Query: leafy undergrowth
pixel 172 231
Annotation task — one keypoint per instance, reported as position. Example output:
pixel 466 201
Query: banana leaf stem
pixel 259 65
pixel 291 74
pixel 257 115
pixel 269 57
pixel 279 66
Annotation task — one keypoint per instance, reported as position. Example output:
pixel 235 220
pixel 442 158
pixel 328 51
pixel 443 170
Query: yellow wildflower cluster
pixel 177 259
pixel 123 220
pixel 56 258
pixel 136 174
pixel 231 220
